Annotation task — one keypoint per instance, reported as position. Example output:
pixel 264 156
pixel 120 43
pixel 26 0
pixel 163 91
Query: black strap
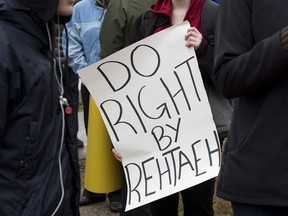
pixel 208 19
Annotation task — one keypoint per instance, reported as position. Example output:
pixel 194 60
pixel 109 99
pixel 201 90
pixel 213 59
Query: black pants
pixel 145 210
pixel 197 201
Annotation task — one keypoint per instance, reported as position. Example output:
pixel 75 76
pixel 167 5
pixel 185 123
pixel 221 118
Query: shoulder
pixel 148 18
pixel 209 6
pixel 116 4
pixel 144 26
pixel 146 22
pixel 15 44
pixel 83 4
pixel 209 11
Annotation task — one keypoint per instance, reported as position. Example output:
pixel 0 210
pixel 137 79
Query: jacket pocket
pixel 29 151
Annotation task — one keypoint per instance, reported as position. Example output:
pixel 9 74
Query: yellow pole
pixel 102 171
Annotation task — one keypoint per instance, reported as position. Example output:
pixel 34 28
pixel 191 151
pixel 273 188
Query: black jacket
pixel 251 66
pixel 147 23
pixel 31 118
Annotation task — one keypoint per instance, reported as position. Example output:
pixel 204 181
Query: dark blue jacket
pixel 31 119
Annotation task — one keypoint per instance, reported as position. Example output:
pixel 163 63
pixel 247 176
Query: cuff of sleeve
pixel 200 50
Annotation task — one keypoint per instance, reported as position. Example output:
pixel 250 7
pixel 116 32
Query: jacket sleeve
pixel 112 31
pixel 241 66
pixel 205 58
pixel 76 56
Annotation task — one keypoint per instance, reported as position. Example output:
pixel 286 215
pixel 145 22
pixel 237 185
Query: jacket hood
pixel 162 6
pixel 46 9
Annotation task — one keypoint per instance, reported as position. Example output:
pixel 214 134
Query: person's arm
pixel 241 66
pixel 205 57
pixel 113 28
pixel 76 56
pixel 204 52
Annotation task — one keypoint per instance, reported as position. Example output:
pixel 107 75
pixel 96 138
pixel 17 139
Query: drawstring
pixel 61 91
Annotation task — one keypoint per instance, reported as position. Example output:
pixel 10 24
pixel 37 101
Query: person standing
pixel 39 172
pixel 251 65
pixel 115 31
pixel 197 200
pixel 84 49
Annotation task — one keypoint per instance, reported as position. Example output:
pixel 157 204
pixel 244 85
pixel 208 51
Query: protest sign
pixel 154 105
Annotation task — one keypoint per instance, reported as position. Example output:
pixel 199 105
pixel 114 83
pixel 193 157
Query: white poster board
pixel 155 108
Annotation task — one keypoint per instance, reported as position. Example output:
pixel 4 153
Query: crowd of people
pixel 242 51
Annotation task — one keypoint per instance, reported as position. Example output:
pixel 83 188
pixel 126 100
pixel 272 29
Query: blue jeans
pixel 240 209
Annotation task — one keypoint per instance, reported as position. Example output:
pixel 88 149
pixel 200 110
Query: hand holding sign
pixel 193 37
pixel 117 155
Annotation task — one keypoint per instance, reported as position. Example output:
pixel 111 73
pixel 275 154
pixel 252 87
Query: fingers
pixel 117 155
pixel 192 31
pixel 193 37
